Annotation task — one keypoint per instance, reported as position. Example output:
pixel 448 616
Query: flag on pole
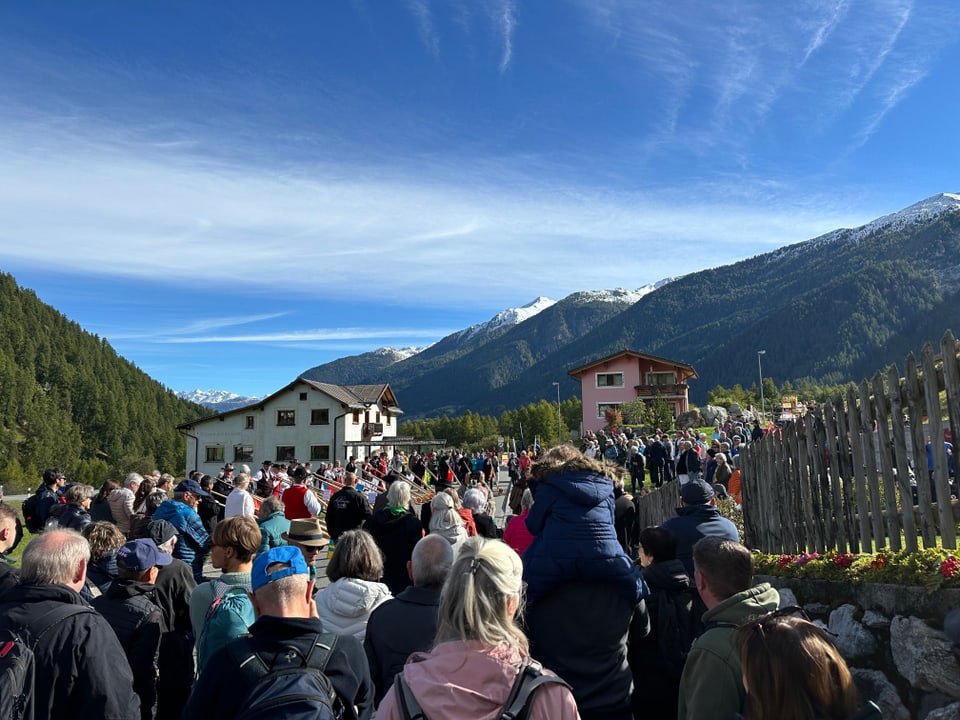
pixel 427 477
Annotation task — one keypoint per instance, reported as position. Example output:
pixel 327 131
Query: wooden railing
pixel 840 477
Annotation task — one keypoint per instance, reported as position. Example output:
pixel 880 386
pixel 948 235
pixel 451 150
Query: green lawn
pixel 14 555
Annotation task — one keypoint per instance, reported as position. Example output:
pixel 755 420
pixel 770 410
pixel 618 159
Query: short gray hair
pixel 54 558
pixel 77 493
pixel 474 499
pixel 526 500
pixel 284 591
pixel 431 561
pixel 132 478
pixel 271 504
pixel 398 494
pixel 241 480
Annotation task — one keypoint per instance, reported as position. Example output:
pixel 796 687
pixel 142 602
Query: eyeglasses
pixel 788 611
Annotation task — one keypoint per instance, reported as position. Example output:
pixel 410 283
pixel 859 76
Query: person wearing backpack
pixel 78 666
pixel 130 608
pixel 711 685
pixel 288 666
pixel 36 508
pixel 657 659
pixel 221 610
pixel 481 660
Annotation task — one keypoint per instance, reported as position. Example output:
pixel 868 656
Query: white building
pixel 306 420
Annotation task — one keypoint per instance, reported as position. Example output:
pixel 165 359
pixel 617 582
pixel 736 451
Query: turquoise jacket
pixel 271 528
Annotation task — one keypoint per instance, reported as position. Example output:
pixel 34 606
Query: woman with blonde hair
pixel 481 653
pixel 793 671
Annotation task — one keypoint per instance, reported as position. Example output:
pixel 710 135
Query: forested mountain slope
pixel 832 309
pixel 67 399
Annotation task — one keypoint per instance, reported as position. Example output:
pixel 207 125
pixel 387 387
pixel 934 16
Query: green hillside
pixel 67 399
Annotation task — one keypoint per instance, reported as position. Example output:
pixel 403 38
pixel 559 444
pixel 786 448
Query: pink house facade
pixel 627 376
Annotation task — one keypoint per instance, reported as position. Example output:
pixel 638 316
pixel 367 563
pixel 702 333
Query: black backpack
pixel 31 513
pixel 293 687
pixel 678 625
pixel 18 663
pixel 517 706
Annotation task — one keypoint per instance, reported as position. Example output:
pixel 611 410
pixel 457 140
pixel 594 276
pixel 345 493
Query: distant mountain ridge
pixel 485 355
pixel 829 309
pixel 219 400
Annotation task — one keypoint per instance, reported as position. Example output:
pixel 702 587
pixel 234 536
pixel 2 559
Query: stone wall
pixel 892 638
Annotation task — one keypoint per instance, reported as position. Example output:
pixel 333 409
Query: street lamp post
pixel 763 410
pixel 559 422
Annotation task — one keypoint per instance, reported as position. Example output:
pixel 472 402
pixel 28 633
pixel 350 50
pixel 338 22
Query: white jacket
pixel 345 605
pixel 121 507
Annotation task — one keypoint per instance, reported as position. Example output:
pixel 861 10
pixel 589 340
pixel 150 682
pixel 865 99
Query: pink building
pixel 627 376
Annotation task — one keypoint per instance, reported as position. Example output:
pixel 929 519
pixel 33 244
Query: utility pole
pixel 559 421
pixel 763 410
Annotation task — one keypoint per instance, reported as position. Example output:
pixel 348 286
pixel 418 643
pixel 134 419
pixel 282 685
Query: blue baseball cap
pixel 140 555
pixel 192 487
pixel 285 554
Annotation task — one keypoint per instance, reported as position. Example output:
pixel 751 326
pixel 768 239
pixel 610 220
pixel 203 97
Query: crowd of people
pixel 432 609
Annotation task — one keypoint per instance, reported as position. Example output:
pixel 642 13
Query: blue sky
pixel 232 193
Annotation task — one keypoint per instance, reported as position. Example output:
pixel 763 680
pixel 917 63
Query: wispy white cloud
pixel 191 328
pixel 792 71
pixel 423 16
pixel 310 336
pixel 505 19
pixel 824 25
pixel 126 212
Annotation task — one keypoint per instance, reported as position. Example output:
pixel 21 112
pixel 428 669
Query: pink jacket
pixel 467 681
pixel 516 534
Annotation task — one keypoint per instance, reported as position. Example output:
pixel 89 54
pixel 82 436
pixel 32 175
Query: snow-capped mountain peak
pixel 397 354
pixel 922 211
pixel 506 318
pixel 618 295
pixel 219 400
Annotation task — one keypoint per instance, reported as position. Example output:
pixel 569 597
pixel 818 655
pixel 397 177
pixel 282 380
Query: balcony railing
pixel 654 390
pixel 372 429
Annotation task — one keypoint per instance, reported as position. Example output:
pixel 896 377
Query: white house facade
pixel 307 421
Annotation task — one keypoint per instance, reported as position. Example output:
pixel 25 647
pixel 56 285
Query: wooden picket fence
pixel 839 478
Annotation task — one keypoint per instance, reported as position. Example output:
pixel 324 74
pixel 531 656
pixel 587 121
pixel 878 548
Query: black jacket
pixel 396 534
pixel 174 587
pixel 347 510
pixel 655 689
pixel 74 517
pixel 216 697
pixel 486 527
pixel 588 648
pixel 129 608
pixel 81 671
pixel 398 627
pixel 9 577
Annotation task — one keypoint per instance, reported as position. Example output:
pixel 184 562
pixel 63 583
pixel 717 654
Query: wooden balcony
pixel 650 391
pixel 370 429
